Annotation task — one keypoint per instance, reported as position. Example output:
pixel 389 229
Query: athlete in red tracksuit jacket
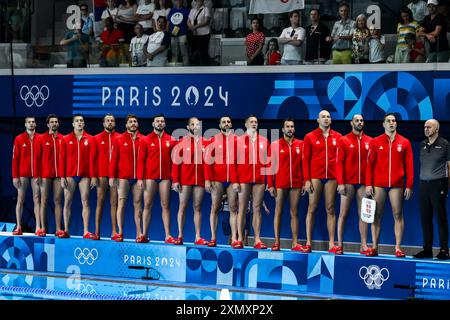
pixel 220 175
pixel 351 176
pixel 154 173
pixel 123 172
pixel 77 168
pixel 188 177
pixel 286 180
pixel 24 163
pixel 104 144
pixel 390 159
pixel 48 150
pixel 319 170
pixel 253 156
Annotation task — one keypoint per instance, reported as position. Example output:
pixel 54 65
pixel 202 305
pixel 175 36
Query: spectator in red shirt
pixel 273 55
pixel 254 44
pixel 110 44
pixel 417 49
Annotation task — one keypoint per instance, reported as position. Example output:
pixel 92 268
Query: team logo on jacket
pixel 317 142
pixel 24 145
pixel 367 146
pixel 167 144
pixel 70 142
pixel 125 144
pixel 381 148
pixel 297 150
pixel 352 146
pixel 220 146
pixel 261 145
pixel 282 151
pixel 103 142
pixel 334 141
pixel 86 142
pixel 47 143
pixel 399 147
pixel 152 145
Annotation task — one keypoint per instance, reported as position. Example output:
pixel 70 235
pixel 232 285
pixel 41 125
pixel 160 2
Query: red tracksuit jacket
pixel 78 157
pixel 253 159
pixel 104 144
pixel 188 161
pixel 319 155
pixel 220 159
pixel 155 160
pixel 351 159
pixel 388 162
pixel 24 161
pixel 286 161
pixel 124 157
pixel 49 152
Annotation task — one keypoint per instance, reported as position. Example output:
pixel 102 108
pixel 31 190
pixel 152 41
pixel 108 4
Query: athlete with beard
pixel 104 144
pixel 49 152
pixel 123 174
pixel 220 174
pixel 351 178
pixel 24 163
pixel 154 165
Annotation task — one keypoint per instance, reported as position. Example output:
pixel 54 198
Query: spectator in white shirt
pixel 162 8
pixel 144 15
pixel 199 24
pixel 138 47
pixel 376 45
pixel 292 38
pixel 418 9
pixel 110 11
pixel 158 45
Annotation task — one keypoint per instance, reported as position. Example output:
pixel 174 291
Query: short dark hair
pixel 389 114
pixel 162 17
pixel 224 116
pixel 189 120
pixel 159 115
pixel 84 5
pixel 108 115
pixel 131 116
pixel 77 115
pixel 293 12
pixel 52 115
pixel 343 4
pixel 287 120
pixel 30 117
pixel 314 9
pixel 251 116
pixel 405 9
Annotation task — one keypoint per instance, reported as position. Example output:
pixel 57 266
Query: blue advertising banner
pixel 433 280
pixel 413 95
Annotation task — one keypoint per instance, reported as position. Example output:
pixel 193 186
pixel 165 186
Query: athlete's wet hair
pixel 159 115
pixel 131 116
pixel 50 116
pixel 287 120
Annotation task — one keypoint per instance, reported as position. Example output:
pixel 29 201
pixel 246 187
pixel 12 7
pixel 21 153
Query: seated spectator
pixel 199 25
pixel 144 15
pixel 273 55
pixel 110 45
pixel 416 49
pixel 360 52
pixel 405 26
pixel 375 45
pixel 88 24
pixel 77 47
pixel 138 47
pixel 177 18
pixel 342 35
pixel 418 9
pixel 434 29
pixel 317 47
pixel 162 8
pixel 254 43
pixel 111 11
pixel 126 18
pixel 158 45
pixel 292 38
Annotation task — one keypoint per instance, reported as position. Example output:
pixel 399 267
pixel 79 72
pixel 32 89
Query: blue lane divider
pixel 64 294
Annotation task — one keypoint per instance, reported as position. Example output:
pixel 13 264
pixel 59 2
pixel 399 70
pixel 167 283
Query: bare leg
pixel 21 194
pixel 216 199
pixel 312 208
pixel 57 198
pixel 37 203
pixel 380 198
pixel 396 199
pixel 330 197
pixel 346 201
pixel 198 193
pixel 137 205
pixel 294 199
pixel 363 227
pixel 164 195
pixel 243 196
pixel 113 198
pixel 279 205
pixel 151 186
pixel 68 199
pixel 122 191
pixel 45 188
pixel 184 197
pixel 257 200
pixel 102 188
pixel 84 187
pixel 232 197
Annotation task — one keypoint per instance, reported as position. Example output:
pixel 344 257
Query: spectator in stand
pixel 317 48
pixel 434 29
pixel 416 49
pixel 292 38
pixel 138 47
pixel 110 45
pixel 360 38
pixel 144 15
pixel 162 8
pixel 342 35
pixel 88 24
pixel 199 24
pixel 375 45
pixel 406 25
pixel 418 9
pixel 77 47
pixel 158 44
pixel 126 18
pixel 273 55
pixel 254 43
pixel 110 11
pixel 177 18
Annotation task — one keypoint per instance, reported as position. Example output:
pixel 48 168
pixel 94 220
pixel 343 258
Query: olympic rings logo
pixel 34 95
pixel 86 255
pixel 87 289
pixel 373 276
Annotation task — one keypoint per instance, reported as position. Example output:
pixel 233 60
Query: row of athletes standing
pixel 242 167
